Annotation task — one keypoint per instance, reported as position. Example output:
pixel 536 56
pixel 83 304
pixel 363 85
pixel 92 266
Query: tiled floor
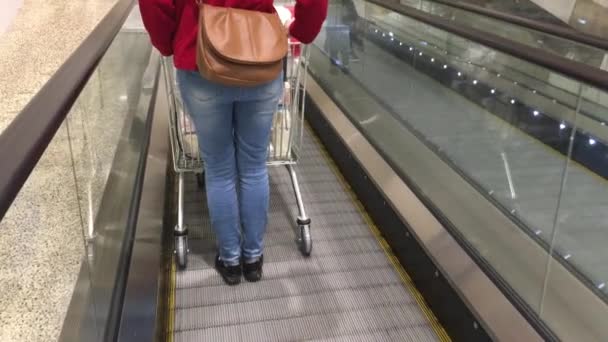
pixel 41 248
pixel 9 11
pixel 41 237
pixel 36 36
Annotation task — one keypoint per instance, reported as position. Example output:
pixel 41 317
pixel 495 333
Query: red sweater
pixel 172 24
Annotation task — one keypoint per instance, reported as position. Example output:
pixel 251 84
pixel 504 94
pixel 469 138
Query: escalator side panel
pixel 445 303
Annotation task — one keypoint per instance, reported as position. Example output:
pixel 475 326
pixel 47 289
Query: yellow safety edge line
pixel 405 278
pixel 171 293
pixel 171 304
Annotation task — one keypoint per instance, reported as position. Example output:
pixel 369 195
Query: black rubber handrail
pixel 555 30
pixel 575 70
pixel 26 138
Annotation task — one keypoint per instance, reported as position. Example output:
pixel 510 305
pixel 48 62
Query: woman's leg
pixel 211 107
pixel 253 121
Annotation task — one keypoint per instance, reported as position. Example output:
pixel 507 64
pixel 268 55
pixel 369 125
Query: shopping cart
pixel 283 150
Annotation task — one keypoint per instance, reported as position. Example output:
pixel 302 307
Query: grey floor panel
pixel 314 327
pixel 410 334
pixel 346 289
pixel 373 336
pixel 206 276
pixel 327 264
pixel 291 306
pixel 285 253
pixel 289 285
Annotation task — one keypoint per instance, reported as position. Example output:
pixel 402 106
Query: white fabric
pixel 281 134
pixel 284 14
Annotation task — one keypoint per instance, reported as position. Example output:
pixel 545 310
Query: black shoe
pixel 253 271
pixel 230 274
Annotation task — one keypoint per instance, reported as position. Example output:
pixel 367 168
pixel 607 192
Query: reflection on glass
pixel 74 206
pixel 582 15
pixel 101 115
pixel 106 128
pixel 506 125
pixel 532 77
pixel 581 224
pixel 560 46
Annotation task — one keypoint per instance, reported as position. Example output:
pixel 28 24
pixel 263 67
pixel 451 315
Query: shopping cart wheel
pixel 181 251
pixel 200 179
pixel 305 239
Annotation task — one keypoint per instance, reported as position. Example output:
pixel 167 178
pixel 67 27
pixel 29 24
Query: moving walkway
pixel 446 177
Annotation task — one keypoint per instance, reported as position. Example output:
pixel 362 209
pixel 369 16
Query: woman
pixel 233 126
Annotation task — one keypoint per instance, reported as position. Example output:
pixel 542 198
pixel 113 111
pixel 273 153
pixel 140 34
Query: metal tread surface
pixel 347 290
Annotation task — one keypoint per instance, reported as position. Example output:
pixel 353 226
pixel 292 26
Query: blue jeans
pixel 233 127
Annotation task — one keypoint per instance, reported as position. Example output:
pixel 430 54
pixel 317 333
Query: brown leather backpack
pixel 239 47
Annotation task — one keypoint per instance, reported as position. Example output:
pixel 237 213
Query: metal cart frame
pixel 283 150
